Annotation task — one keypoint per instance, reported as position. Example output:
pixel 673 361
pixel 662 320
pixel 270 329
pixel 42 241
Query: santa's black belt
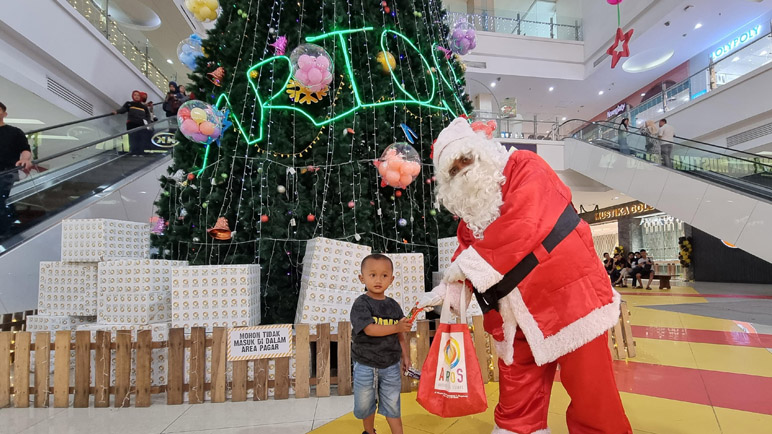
pixel 566 223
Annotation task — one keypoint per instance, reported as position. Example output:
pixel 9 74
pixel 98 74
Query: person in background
pixel 633 264
pixel 651 131
pixel 621 271
pixel 666 136
pixel 645 267
pixel 608 262
pixel 173 100
pixel 624 130
pixel 138 116
pixel 15 154
pixel 184 97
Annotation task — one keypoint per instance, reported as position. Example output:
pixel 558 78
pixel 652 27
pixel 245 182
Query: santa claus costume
pixel 547 298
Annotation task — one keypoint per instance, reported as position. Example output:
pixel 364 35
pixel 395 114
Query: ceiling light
pixel 647 60
pixel 697 26
pixel 615 198
pixel 24 121
pixel 600 93
pixel 643 94
pixel 169 61
pixel 564 118
pixel 736 58
pixel 660 110
pixel 763 53
pixel 493 84
pixel 551 88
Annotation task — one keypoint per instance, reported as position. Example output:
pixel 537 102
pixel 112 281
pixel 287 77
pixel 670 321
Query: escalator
pixel 724 192
pixel 75 164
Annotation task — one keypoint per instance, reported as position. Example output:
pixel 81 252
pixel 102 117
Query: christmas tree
pixel 298 161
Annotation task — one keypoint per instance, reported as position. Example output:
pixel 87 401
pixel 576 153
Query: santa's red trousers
pixel 587 376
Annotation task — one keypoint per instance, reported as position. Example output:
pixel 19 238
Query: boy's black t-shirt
pixel 375 351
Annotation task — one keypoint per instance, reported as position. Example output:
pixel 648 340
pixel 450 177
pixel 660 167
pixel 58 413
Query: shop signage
pixel 164 140
pixel 615 212
pixel 621 108
pixel 260 342
pixel 736 42
pixel 724 165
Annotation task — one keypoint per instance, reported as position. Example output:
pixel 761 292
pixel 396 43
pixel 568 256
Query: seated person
pixel 644 268
pixel 608 263
pixel 621 271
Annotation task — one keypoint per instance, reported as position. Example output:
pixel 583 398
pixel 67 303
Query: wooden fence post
pixel 144 359
pixel 281 378
pixel 102 363
pixel 21 370
pixel 5 368
pixel 261 380
pixel 176 360
pixel 422 343
pixel 42 371
pixel 82 368
pixel 122 368
pixel 239 388
pixel 62 369
pixel 322 360
pixel 219 379
pixel 302 361
pixel 344 358
pixel 197 368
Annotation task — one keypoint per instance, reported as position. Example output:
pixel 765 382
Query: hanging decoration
pixel 279 46
pixel 448 53
pixel 686 249
pixel 387 61
pixel 486 128
pixel 620 37
pixel 409 133
pixel 159 225
pixel 399 165
pixel 220 231
pixel 188 50
pixel 199 122
pixel 204 10
pixel 463 38
pixel 216 76
pixel 303 95
pixel 312 66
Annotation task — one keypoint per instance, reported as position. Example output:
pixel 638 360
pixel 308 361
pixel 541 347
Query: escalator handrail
pixel 600 124
pixel 67 124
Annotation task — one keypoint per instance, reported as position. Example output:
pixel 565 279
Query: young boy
pixel 378 342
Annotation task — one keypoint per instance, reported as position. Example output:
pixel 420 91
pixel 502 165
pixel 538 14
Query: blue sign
pixel 736 42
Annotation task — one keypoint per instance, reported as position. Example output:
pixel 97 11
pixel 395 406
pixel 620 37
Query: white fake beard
pixel 474 194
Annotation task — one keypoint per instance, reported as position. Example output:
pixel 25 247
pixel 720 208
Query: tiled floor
pixel 694 373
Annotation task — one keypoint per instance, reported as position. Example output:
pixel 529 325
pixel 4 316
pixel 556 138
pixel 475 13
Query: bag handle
pixel 445 315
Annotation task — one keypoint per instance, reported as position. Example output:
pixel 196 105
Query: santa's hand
pixel 454 274
pixel 433 298
pixel 456 293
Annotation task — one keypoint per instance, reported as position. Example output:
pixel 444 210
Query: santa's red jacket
pixel 567 299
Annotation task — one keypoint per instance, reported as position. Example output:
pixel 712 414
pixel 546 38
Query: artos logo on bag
pixel 451 365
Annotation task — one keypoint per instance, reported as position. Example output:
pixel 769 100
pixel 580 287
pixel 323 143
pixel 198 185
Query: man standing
pixel 518 232
pixel 666 136
pixel 14 154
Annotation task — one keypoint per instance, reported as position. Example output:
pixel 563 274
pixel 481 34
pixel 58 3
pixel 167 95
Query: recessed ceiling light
pixel 564 118
pixel 660 111
pixel 551 88
pixel 600 93
pixel 647 60
pixel 615 198
pixel 763 53
pixel 697 26
pixel 24 121
pixel 169 61
pixel 643 94
pixel 493 84
pixel 736 58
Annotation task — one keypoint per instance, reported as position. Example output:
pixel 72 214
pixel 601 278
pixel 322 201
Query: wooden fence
pixel 16 370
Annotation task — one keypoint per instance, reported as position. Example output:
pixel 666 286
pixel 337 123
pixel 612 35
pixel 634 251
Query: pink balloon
pixel 396 164
pixel 614 2
pixel 405 180
pixel 314 77
pixel 207 128
pixel 393 178
pixel 216 133
pixel 407 168
pixel 184 113
pixel 327 78
pixel 415 169
pixel 322 62
pixel 198 137
pixel 301 75
pixel 305 61
pixel 383 169
pixel 189 127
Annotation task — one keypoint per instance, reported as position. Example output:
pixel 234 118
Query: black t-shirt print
pixel 375 351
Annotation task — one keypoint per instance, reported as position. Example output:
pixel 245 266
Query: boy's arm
pixel 405 352
pixel 385 330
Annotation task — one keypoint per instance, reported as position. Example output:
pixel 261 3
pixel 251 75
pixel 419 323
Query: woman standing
pixel 138 116
pixel 624 130
pixel 652 142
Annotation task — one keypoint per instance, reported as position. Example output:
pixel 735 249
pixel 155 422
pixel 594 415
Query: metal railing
pixel 145 58
pixel 556 27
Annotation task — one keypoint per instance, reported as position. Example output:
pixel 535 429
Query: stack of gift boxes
pixel 447 248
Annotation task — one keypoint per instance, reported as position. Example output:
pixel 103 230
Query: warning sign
pixel 260 342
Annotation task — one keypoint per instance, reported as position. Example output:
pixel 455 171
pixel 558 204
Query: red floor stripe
pixel 720 389
pixel 704 336
pixel 656 292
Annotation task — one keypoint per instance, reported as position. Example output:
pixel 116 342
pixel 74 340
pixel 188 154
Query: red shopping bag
pixel 451 384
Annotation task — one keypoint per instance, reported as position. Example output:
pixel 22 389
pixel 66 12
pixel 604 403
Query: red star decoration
pixel 624 38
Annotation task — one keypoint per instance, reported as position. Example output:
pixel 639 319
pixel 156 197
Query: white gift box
pixel 67 289
pixel 324 305
pixel 216 296
pixel 51 323
pixel 138 308
pixel 408 285
pixel 332 264
pixel 94 240
pixel 136 275
pixel 447 248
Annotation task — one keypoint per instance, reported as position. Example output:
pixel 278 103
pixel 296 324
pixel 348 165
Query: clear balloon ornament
pixel 188 50
pixel 463 38
pixel 199 122
pixel 399 165
pixel 312 67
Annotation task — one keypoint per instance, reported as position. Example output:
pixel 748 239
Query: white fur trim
pixel 497 430
pixel 478 270
pixel 505 349
pixel 571 337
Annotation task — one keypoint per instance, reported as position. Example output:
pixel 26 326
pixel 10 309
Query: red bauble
pixel 264 218
pixel 387 10
pixel 191 176
pixel 351 204
pixel 398 193
pixel 311 217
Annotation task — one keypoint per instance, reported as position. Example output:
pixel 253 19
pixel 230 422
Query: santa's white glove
pixel 451 292
pixel 454 274
pixel 433 298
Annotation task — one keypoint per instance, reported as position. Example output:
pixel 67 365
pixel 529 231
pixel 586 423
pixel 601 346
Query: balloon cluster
pixel 685 251
pixel 399 165
pixel 312 67
pixel 189 50
pixel 463 38
pixel 199 122
pixel 203 10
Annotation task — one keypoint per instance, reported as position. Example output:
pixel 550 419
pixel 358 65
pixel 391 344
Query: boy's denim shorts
pixel 385 384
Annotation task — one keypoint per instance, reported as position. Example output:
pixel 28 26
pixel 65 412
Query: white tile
pixel 16 420
pixel 280 428
pixel 723 213
pixel 242 414
pixel 648 182
pixel 681 196
pixel 320 422
pixel 620 172
pixel 754 237
pixel 149 420
pixel 334 407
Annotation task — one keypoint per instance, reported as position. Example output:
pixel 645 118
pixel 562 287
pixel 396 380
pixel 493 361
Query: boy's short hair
pixel 376 257
pixel 642 250
pixel 2 106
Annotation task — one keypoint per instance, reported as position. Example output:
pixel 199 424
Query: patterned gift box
pixel 94 240
pixel 332 264
pixel 447 248
pixel 136 275
pixel 51 323
pixel 138 308
pixel 325 305
pixel 67 289
pixel 216 296
pixel 408 286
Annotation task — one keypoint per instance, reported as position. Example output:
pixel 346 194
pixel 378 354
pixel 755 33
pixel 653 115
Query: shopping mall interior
pixel 186 260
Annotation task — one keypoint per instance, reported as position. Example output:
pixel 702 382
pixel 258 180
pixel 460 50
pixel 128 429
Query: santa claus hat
pixel 458 138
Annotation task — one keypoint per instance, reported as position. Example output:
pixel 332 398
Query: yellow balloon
pixel 212 4
pixel 190 4
pixel 198 115
pixel 213 14
pixel 383 57
pixel 204 11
